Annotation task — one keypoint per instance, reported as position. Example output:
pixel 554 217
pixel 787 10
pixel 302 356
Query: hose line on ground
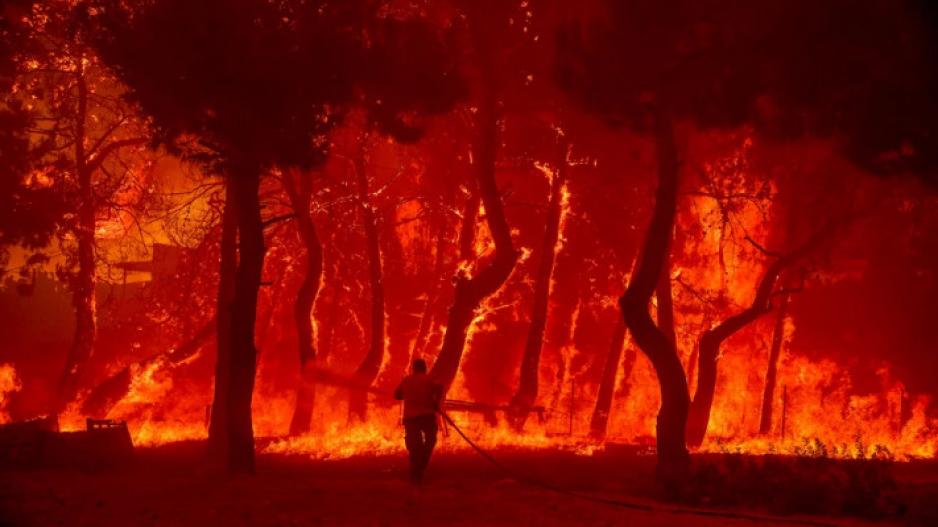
pixel 527 480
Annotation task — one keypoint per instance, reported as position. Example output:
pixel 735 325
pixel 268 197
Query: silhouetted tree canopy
pixel 864 73
pixel 265 81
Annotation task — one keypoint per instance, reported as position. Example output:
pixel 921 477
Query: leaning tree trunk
pixel 243 353
pixel 465 246
pixel 778 337
pixel 711 340
pixel 369 368
pixel 471 291
pixel 673 458
pixel 466 253
pixel 228 266
pixel 607 384
pixel 526 395
pixel 84 282
pixel 768 394
pixel 427 318
pixel 299 190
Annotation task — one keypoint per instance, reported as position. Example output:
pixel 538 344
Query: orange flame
pixel 9 383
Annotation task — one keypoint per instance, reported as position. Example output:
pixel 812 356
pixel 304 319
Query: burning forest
pixel 651 262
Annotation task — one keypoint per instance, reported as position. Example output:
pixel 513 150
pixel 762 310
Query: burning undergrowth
pixel 588 248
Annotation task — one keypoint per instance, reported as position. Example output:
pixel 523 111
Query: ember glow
pixel 9 383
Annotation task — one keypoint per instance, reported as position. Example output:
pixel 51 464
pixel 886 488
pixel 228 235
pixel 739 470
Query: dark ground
pixel 163 489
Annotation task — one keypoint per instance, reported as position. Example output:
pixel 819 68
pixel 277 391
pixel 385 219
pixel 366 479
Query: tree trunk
pixel 526 395
pixel 331 292
pixel 673 458
pixel 243 354
pixel 600 420
pixel 711 340
pixel 607 384
pixel 692 361
pixel 470 292
pixel 666 303
pixel 369 368
pixel 85 280
pixel 467 232
pixel 768 394
pixel 228 266
pixel 699 415
pixel 299 190
pixel 628 364
pixel 427 318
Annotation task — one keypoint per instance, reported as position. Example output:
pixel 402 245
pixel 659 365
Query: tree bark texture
pixel 299 190
pixel 526 395
pixel 85 280
pixel 771 374
pixel 243 353
pixel 711 340
pixel 673 457
pixel 369 368
pixel 471 291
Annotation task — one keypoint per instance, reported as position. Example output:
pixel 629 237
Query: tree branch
pixel 110 148
pixel 278 219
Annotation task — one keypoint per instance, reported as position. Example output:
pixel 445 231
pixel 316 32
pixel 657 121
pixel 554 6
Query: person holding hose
pixel 422 397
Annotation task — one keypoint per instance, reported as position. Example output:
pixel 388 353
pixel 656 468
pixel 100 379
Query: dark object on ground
pixel 37 444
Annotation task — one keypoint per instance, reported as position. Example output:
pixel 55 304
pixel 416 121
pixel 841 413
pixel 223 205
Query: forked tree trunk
pixel 673 458
pixel 228 266
pixel 84 282
pixel 243 354
pixel 369 368
pixel 526 395
pixel 471 291
pixel 607 384
pixel 711 340
pixel 771 374
pixel 299 190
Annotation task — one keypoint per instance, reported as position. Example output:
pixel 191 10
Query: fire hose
pixel 533 482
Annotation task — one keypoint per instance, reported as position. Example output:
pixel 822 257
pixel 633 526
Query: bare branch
pixel 762 249
pixel 278 219
pixel 112 147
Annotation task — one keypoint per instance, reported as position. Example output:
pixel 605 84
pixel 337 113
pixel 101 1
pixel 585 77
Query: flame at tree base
pixel 817 422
